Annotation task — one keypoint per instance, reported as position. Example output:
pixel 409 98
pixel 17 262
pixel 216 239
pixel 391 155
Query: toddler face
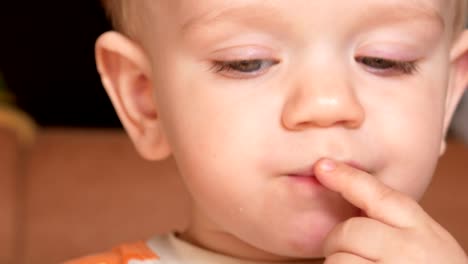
pixel 251 93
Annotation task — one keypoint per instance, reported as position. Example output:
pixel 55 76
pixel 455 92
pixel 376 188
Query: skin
pixel 319 92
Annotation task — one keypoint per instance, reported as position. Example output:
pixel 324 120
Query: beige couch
pixel 80 191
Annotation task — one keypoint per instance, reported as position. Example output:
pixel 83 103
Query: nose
pixel 322 100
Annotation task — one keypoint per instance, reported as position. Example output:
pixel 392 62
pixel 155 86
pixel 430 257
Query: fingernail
pixel 327 165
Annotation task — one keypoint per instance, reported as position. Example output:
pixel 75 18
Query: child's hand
pixel 396 230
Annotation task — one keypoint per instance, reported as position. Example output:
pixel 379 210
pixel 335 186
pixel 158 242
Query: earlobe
pixel 125 72
pixel 458 80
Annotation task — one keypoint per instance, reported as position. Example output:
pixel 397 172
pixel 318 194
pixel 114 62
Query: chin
pixel 297 248
pixel 305 239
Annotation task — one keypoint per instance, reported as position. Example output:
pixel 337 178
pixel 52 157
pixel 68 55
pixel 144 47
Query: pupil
pixel 248 66
pixel 378 63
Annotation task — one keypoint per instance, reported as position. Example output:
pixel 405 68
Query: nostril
pixel 343 110
pixel 353 124
pixel 303 125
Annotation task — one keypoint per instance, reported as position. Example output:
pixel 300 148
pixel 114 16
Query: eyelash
pixel 235 67
pixel 243 69
pixel 380 64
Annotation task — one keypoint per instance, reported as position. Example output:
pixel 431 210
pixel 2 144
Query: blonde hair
pixel 115 12
pixel 461 15
pixel 119 12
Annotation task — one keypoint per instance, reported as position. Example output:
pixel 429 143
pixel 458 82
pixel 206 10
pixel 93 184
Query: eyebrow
pixel 250 12
pixel 378 10
pixel 406 10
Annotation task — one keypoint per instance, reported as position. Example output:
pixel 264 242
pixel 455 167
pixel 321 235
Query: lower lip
pixel 311 180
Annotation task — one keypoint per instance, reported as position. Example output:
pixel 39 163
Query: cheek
pixel 215 123
pixel 212 139
pixel 219 163
pixel 411 136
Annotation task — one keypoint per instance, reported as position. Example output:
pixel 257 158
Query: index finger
pixel 377 200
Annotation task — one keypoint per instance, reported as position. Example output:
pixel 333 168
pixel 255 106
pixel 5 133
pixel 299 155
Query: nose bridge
pixel 322 94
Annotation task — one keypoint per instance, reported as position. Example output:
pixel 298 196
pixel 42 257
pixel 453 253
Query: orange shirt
pixel 125 254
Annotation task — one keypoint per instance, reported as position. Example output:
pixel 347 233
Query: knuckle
pixel 386 194
pixel 345 231
pixel 411 203
pixel 381 196
pixel 348 226
pixel 395 201
pixel 410 210
pixel 413 208
pixel 416 251
pixel 338 258
pixel 331 242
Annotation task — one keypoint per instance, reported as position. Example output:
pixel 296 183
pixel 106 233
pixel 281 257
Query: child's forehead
pixel 187 13
pixel 190 10
pixel 289 17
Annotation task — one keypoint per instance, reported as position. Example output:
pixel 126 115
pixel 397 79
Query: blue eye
pixel 385 65
pixel 243 68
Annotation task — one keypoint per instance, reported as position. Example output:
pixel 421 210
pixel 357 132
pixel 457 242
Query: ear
pixel 458 80
pixel 125 72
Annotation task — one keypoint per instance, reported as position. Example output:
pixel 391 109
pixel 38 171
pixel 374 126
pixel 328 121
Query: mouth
pixel 305 176
pixel 309 173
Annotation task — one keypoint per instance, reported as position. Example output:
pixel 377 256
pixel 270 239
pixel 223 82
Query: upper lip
pixel 309 171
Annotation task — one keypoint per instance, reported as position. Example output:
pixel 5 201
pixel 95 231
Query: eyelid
pixel 225 69
pixel 394 52
pixel 243 53
pixel 397 67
